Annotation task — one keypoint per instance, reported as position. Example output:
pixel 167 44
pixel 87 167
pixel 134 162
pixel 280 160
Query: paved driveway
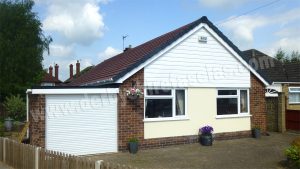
pixel 265 153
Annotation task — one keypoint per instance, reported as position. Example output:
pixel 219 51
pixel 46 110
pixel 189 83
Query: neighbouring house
pixel 283 94
pixel 49 79
pixel 78 72
pixel 190 77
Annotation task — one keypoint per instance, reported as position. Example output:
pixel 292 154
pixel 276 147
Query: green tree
pixel 22 44
pixel 284 57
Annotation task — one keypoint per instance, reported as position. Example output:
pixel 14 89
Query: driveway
pixel 266 153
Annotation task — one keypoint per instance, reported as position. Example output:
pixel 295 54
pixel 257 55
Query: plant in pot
pixel 256 132
pixel 133 93
pixel 133 145
pixel 16 109
pixel 206 137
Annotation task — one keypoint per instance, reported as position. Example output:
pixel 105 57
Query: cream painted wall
pixel 201 111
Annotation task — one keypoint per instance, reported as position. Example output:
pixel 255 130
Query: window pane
pixel 227 106
pixel 294 97
pixel 227 92
pixel 158 108
pixel 295 89
pixel 180 102
pixel 244 101
pixel 159 92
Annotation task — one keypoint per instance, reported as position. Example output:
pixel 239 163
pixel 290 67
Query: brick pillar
pixel 258 104
pixel 37 120
pixel 130 113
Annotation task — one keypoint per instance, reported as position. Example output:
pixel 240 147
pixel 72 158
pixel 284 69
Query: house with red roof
pixel 160 92
pixel 49 79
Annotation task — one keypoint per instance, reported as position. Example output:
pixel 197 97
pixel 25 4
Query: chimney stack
pixel 77 68
pixel 56 71
pixel 128 48
pixel 253 53
pixel 51 70
pixel 71 71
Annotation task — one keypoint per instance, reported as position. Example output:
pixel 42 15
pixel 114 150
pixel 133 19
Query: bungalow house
pixel 190 77
pixel 283 94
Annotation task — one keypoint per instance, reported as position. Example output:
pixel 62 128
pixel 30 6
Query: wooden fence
pixel 24 156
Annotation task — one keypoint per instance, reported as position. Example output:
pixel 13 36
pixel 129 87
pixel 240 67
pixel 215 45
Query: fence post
pixel 4 151
pixel 36 162
pixel 98 164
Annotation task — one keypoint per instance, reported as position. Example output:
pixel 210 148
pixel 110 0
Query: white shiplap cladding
pixel 81 124
pixel 196 64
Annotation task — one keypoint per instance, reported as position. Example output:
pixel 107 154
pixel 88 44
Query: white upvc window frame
pixel 238 96
pixel 173 97
pixel 290 91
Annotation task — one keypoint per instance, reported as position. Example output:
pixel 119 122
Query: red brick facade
pixel 258 104
pixel 37 120
pixel 130 113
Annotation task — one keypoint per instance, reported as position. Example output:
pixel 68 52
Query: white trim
pixel 75 91
pixel 286 82
pixel 233 116
pixel 27 113
pixel 177 118
pixel 149 61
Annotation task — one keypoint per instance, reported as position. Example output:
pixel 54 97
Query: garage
pixel 81 121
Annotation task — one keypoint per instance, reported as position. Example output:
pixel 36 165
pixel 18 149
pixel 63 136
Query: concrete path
pixel 248 153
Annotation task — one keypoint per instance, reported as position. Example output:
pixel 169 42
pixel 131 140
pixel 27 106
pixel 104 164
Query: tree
pixel 22 44
pixel 284 57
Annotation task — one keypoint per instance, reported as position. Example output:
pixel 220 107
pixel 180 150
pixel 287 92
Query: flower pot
pixel 206 140
pixel 132 97
pixel 133 147
pixel 256 133
pixel 8 124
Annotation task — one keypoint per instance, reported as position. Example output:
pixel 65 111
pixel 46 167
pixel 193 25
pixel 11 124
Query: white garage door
pixel 81 124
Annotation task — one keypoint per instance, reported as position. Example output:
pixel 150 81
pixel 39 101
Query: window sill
pixel 232 116
pixel 166 119
pixel 294 103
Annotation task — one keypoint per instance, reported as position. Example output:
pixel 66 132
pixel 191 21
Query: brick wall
pixel 258 103
pixel 37 120
pixel 130 113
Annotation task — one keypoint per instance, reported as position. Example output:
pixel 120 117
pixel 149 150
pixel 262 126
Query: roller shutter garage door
pixel 81 124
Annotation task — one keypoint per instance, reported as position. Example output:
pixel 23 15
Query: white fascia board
pixel 286 82
pixel 132 72
pixel 28 91
pixel 75 91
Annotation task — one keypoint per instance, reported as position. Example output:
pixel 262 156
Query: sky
pixel 91 30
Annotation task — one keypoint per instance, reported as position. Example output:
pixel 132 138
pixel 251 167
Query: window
pixel 294 95
pixel 165 103
pixel 233 102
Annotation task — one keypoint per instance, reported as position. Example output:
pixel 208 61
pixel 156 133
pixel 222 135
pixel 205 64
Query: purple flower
pixel 206 130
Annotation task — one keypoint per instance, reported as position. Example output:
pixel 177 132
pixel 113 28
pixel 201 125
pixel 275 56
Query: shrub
pixel 293 155
pixel 16 107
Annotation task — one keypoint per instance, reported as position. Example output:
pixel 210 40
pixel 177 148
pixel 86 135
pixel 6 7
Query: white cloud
pixel 79 21
pixel 108 53
pixel 60 50
pixel 222 3
pixel 241 29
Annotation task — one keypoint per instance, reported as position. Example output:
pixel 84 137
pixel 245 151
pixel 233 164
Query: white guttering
pixel 75 91
pixel 286 82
